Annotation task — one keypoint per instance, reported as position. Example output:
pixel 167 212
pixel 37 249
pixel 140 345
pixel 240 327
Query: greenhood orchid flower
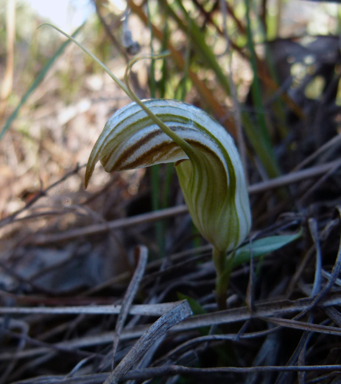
pixel 207 163
pixel 209 168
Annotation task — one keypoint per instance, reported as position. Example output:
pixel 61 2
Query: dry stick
pixel 318 297
pixel 262 310
pixel 251 284
pixel 328 276
pixel 325 291
pixel 44 346
pixel 318 265
pixel 76 209
pixel 153 264
pixel 147 358
pixel 334 315
pixel 318 183
pixel 284 377
pixel 115 224
pixel 181 209
pixel 277 308
pixel 174 370
pixel 109 32
pixel 294 324
pixel 208 17
pixel 335 141
pixel 30 365
pixel 236 109
pixel 11 272
pixel 294 177
pixel 11 218
pixel 157 330
pixel 307 257
pixel 297 356
pixel 21 344
pixel 316 289
pixel 334 275
pixel 190 344
pixel 141 309
pixel 129 297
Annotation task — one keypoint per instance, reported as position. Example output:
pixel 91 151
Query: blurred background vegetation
pixel 260 68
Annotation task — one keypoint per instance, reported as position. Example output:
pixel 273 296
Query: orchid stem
pixel 223 267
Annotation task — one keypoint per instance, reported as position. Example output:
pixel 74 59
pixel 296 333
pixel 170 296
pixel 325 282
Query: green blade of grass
pixel 262 143
pixel 199 42
pixel 187 63
pixel 164 71
pixel 152 89
pixel 169 168
pixel 255 87
pixel 155 169
pixel 36 82
pixel 152 82
pixel 265 156
pixel 205 94
pixel 260 138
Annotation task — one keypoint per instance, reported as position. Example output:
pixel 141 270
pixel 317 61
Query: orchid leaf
pixel 261 247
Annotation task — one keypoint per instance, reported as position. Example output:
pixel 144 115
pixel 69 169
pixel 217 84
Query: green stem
pixel 155 169
pixel 223 267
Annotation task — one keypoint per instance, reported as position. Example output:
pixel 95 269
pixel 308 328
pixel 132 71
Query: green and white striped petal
pixel 207 163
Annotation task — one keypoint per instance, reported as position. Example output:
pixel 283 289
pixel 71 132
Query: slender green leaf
pixel 36 83
pixel 260 147
pixel 261 247
pixel 265 150
pixel 262 144
pixel 199 42
pixel 196 308
pixel 162 84
pixel 155 169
